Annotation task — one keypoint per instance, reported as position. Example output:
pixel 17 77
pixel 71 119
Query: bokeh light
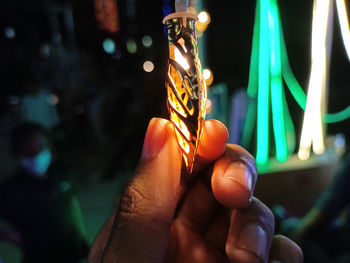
pixel 131 46
pixel 148 66
pixel 108 46
pixel 147 41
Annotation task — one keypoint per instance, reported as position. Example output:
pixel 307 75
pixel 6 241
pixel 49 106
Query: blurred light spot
pixel 209 106
pixel 148 66
pixel 203 21
pixel 14 100
pixel 147 41
pixel 53 99
pixel 131 46
pixel 203 17
pixel 10 32
pixel 45 50
pixel 340 140
pixel 208 76
pixel 108 46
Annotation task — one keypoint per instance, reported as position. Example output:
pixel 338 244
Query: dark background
pixel 77 69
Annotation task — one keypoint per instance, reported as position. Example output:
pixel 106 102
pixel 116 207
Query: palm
pixel 199 230
pixel 192 243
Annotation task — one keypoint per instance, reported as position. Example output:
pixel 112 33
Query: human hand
pixel 212 218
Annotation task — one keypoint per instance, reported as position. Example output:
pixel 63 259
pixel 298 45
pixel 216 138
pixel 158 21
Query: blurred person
pixel 165 215
pixel 324 232
pixel 37 105
pixel 39 203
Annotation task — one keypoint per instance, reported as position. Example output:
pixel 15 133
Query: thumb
pixel 141 228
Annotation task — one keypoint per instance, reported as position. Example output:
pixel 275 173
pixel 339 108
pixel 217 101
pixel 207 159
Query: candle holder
pixel 186 88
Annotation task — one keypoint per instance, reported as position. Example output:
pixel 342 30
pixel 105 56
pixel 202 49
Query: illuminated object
pixel 108 46
pixel 208 76
pixel 148 66
pixel 344 24
pixel 186 88
pixel 269 64
pixel 266 86
pixel 203 21
pixel 131 46
pixel 312 130
pixel 106 13
pixel 147 41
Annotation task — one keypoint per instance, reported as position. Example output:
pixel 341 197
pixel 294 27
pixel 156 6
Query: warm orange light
pixel 186 87
pixel 180 59
pixel 208 76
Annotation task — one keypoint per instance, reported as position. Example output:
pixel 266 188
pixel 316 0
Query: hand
pixel 212 218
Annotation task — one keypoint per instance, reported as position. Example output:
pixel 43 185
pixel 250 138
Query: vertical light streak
pixel 263 87
pixel 312 130
pixel 344 25
pixel 277 85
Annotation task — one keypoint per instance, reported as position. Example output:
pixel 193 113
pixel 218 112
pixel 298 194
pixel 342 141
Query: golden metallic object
pixel 186 88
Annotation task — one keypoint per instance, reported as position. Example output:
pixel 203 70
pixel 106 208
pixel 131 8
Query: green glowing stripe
pixel 263 86
pixel 288 75
pixel 299 94
pixel 337 117
pixel 249 124
pixel 290 131
pixel 277 85
pixel 254 59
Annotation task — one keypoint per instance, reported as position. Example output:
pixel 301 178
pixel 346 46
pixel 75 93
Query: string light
pixel 344 25
pixel 131 46
pixel 208 76
pixel 148 66
pixel 269 64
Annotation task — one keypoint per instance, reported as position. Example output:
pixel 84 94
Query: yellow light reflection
pixel 184 157
pixel 180 59
pixel 344 25
pixel 180 125
pixel 312 130
pixel 182 142
pixel 175 103
pixel 208 76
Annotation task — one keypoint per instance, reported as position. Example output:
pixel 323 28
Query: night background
pixel 89 56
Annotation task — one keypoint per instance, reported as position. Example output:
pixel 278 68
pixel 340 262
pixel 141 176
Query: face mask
pixel 37 165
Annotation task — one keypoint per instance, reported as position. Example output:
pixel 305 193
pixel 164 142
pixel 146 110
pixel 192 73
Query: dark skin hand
pixel 210 218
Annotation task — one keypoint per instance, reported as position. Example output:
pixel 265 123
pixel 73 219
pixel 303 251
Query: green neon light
pixel 249 124
pixel 254 59
pixel 277 85
pixel 298 92
pixel 269 64
pixel 263 87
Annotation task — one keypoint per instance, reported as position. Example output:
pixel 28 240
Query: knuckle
pixel 130 202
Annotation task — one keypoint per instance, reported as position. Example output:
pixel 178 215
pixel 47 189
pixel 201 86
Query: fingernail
pixel 253 238
pixel 238 172
pixel 155 138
